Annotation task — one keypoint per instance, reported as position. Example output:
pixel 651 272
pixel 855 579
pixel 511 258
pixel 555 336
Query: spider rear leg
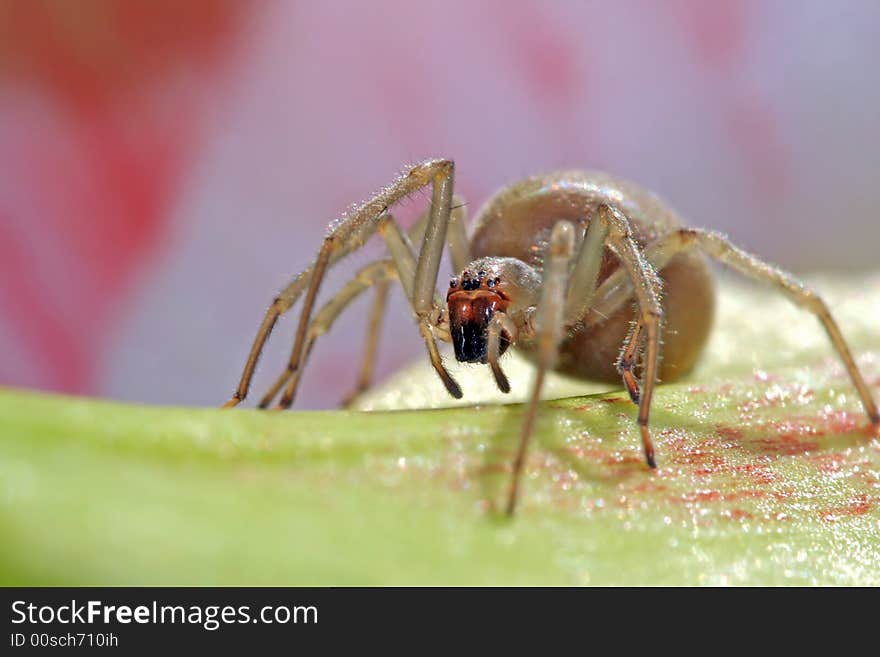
pixel 371 344
pixel 608 226
pixel 647 291
pixel 401 263
pixel 616 289
pixel 377 273
pixel 720 248
pixel 283 302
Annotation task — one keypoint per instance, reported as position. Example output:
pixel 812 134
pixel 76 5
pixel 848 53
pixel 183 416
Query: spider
pixel 567 266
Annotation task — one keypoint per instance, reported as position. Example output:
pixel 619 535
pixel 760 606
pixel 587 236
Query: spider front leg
pixel 548 319
pixel 345 237
pixel 556 310
pixel 400 248
pixel 460 252
pixel 427 269
pixel 500 328
pixel 401 265
pixel 439 173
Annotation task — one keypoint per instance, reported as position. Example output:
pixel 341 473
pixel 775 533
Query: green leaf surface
pixel 768 474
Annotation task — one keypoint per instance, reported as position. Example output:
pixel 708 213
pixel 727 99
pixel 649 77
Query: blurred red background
pixel 166 166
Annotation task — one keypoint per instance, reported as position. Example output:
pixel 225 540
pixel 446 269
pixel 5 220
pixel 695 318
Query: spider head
pixel 473 299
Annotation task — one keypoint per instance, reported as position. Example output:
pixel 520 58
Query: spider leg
pixel 610 226
pixel 585 274
pixel 627 361
pixel 460 252
pixel 402 262
pixel 403 247
pixel 377 273
pixel 720 248
pixel 344 237
pixel 428 266
pixel 439 173
pixel 647 284
pixel 371 344
pixel 282 303
pixel 459 246
pixel 548 333
pixel 582 290
pixel 501 326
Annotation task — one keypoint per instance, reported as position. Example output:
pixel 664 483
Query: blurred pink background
pixel 165 167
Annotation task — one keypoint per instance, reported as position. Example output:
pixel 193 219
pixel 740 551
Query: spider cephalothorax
pixel 473 299
pixel 568 265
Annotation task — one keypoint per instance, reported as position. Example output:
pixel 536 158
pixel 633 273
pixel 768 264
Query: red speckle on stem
pixel 859 505
pixel 729 433
pixel 740 514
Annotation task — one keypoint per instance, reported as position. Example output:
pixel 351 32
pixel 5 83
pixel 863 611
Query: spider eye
pixel 453 282
pixel 492 282
pixel 469 284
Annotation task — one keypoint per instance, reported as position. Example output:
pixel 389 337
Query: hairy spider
pixel 552 266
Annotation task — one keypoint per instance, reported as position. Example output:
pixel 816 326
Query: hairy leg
pixel 371 344
pixel 459 250
pixel 376 273
pixel 500 327
pixel 615 290
pixel 584 276
pixel 400 248
pixel 459 245
pixel 283 302
pixel 627 361
pixel 610 226
pixel 647 284
pixel 346 236
pixel 428 267
pixel 549 322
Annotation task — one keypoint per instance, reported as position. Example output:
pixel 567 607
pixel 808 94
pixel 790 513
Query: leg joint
pixel 427 169
pixel 383 222
pixel 618 225
pixel 809 299
pixel 652 316
pixel 279 305
pixel 690 236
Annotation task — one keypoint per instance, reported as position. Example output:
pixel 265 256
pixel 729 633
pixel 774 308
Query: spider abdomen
pixel 516 222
